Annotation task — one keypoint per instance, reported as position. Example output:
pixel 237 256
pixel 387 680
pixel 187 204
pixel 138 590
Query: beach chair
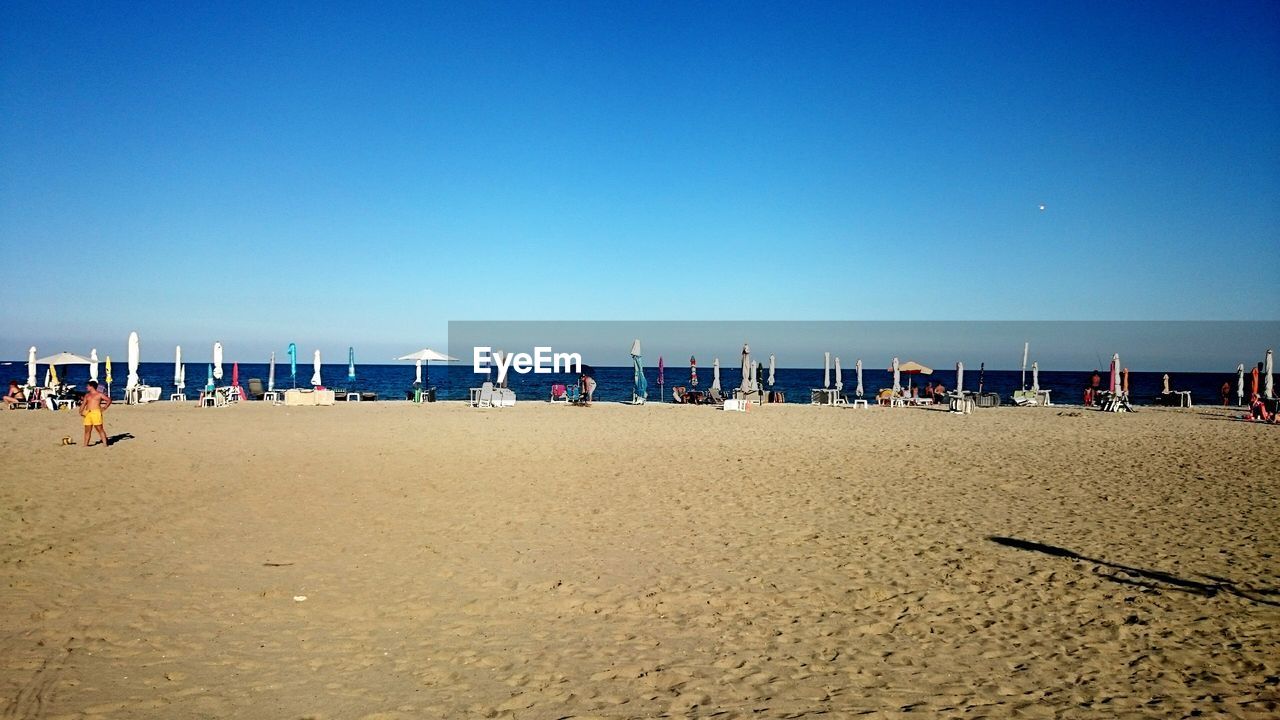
pixel 715 396
pixel 256 389
pixel 559 394
pixel 677 394
pixel 485 397
pixel 504 397
pixel 960 403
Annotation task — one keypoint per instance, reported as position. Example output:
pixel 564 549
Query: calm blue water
pixel 391 382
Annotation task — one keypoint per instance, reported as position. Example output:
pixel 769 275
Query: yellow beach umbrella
pixel 53 376
pixel 108 369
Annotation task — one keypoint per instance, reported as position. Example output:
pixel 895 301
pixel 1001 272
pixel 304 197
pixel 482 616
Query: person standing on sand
pixel 91 408
pixel 1226 393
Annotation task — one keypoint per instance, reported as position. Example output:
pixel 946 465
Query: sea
pixel 452 382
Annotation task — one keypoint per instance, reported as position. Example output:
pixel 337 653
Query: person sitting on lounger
pixel 15 394
pixel 1258 410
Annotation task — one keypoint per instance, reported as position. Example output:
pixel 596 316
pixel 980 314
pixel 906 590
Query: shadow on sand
pixel 1151 579
pixel 112 440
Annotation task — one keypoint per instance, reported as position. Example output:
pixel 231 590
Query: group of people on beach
pixel 92 405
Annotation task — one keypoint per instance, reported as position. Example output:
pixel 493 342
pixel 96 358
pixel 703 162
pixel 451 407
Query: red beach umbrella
pixel 693 373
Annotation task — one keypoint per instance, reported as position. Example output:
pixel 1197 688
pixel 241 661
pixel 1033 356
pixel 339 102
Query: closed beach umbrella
pixel 208 384
pixel 1126 381
pixel 960 378
pixel 839 380
pixel 858 368
pixel 217 361
pixel 826 370
pixel 1253 381
pixel 773 362
pixel 1026 349
pixel 134 356
pixel 1268 384
pixel 108 365
pixel 177 366
pixel 1240 384
pixel 640 386
pixel 693 371
pixel 1035 377
pixel 715 374
pixel 293 363
pixel 315 364
pixel 662 381
pixel 31 367
pixel 93 364
pixel 52 374
pixel 351 364
pixel 271 373
pixel 417 372
pixel 1164 390
pixel 746 368
pixel 235 375
pixel 182 378
pixel 1115 373
pixel 897 378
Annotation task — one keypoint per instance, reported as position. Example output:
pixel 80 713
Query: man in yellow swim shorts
pixel 91 408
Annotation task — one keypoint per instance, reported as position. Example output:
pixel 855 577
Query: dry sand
pixel 555 562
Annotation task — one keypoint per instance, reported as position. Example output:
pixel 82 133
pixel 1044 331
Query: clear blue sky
pixel 353 174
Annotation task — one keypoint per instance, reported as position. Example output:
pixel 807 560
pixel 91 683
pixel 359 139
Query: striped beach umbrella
pixel 693 371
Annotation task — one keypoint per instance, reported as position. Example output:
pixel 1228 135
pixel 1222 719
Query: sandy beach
pixel 386 560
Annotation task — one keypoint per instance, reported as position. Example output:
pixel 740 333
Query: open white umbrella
pixel 897 378
pixel 64 358
pixel 773 364
pixel 715 374
pixel 271 373
pixel 315 364
pixel 425 356
pixel 858 367
pixel 839 380
pixel 134 353
pixel 1240 384
pixel 217 361
pixel 826 370
pixel 1268 384
pixel 93 364
pixel 177 367
pixel 31 367
pixel 960 378
pixel 1035 377
pixel 746 368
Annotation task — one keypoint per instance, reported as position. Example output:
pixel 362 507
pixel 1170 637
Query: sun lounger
pixel 482 397
pixel 504 397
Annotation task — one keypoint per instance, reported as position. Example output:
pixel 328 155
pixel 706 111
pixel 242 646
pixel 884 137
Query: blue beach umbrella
pixel 641 389
pixel 293 363
pixel 209 383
